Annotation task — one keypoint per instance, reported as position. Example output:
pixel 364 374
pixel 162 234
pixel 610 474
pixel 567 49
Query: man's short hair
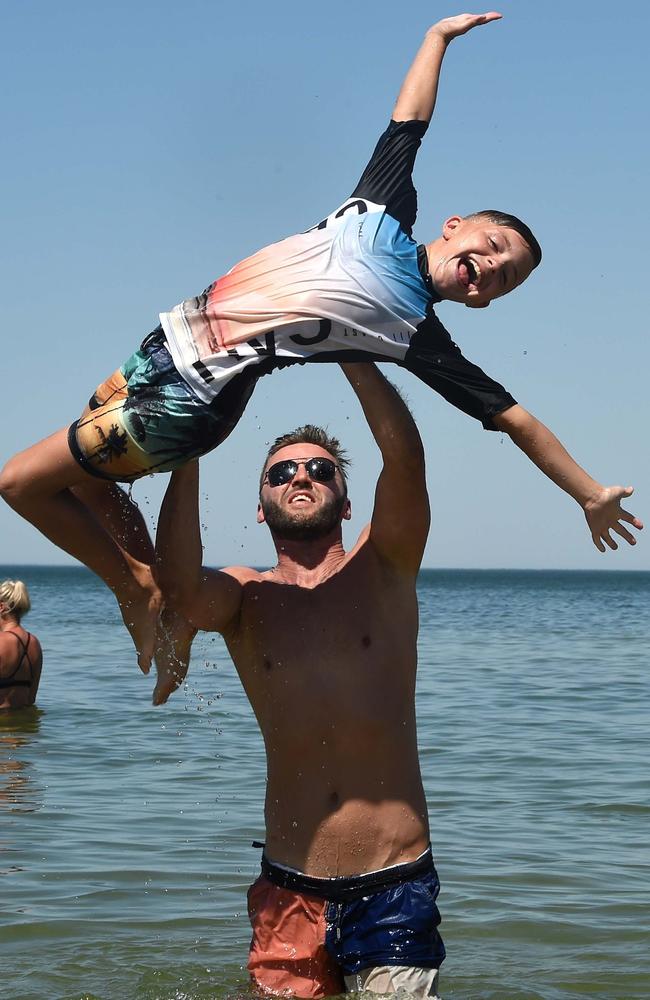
pixel 311 434
pixel 511 222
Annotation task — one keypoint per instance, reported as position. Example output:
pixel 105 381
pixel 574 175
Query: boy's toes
pixel 166 685
pixel 144 662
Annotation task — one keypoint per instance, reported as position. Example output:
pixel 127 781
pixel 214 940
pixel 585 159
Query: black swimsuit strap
pixel 8 682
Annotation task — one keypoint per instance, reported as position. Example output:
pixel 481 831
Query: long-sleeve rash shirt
pixel 355 287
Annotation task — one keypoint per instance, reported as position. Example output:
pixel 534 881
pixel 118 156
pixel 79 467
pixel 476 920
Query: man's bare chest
pixel 333 615
pixel 354 617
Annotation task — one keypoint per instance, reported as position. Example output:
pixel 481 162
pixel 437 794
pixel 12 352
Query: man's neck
pixel 308 563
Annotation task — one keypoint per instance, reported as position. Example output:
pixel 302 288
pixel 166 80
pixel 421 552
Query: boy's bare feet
pixel 172 653
pixel 141 614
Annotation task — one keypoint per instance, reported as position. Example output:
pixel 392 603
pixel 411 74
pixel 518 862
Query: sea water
pixel 126 830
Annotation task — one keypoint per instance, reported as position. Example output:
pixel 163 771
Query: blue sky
pixel 148 147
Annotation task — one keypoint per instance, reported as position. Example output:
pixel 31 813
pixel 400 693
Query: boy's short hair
pixel 511 222
pixel 311 434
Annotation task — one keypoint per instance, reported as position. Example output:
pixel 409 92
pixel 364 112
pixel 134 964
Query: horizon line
pixel 441 569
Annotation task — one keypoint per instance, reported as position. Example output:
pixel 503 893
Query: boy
pixel 355 287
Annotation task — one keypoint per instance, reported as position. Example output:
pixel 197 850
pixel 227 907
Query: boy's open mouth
pixel 469 273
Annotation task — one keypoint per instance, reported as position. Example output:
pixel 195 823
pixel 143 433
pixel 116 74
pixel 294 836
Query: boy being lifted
pixel 356 287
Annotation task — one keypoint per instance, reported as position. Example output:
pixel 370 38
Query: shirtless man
pixel 325 646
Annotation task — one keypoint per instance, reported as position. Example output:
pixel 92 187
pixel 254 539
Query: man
pixel 325 646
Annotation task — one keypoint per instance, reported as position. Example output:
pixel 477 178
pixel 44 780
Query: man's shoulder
pixel 244 574
pixel 366 558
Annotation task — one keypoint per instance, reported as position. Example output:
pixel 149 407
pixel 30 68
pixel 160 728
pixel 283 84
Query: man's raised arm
pixel 208 599
pixel 400 518
pixel 417 97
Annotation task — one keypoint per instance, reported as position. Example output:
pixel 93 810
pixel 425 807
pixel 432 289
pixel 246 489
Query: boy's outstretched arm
pixel 601 504
pixel 417 97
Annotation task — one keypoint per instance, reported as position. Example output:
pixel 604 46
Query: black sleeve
pixel 434 358
pixel 387 178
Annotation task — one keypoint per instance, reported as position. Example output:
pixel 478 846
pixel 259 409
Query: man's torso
pixel 330 673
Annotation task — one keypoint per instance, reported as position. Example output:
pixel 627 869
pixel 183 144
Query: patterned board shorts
pixel 145 418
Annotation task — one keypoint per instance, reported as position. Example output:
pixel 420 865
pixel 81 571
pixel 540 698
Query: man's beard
pixel 290 528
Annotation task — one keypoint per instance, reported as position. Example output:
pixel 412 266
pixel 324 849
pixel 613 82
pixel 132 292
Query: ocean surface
pixel 125 831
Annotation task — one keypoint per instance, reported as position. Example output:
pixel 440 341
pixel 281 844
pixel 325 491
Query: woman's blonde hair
pixel 15 595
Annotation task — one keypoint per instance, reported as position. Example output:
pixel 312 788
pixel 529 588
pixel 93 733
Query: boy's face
pixel 476 261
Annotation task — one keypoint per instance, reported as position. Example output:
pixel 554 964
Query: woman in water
pixel 21 657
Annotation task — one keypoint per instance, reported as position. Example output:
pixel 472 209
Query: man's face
pixel 303 509
pixel 480 261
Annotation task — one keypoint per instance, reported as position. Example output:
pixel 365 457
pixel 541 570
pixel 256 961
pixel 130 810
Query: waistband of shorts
pixel 154 340
pixel 156 348
pixel 347 888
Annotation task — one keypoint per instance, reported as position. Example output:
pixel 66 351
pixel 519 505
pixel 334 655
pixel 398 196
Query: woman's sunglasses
pixel 321 470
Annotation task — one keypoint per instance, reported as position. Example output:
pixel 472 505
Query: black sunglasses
pixel 321 470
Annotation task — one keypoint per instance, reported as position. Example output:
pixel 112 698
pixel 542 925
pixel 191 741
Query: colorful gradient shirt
pixel 355 287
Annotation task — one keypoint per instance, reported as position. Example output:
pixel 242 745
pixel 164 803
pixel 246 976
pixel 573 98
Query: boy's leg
pixel 120 516
pixel 123 520
pixel 38 483
pixel 99 525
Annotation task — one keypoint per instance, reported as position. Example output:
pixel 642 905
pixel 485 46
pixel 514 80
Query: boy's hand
pixel 417 97
pixel 604 514
pixel 452 27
